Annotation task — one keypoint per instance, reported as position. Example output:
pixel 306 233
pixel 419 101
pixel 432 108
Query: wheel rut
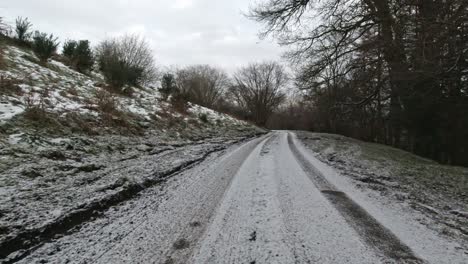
pixel 373 233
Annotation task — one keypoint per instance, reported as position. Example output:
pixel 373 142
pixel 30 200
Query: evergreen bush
pixel 44 45
pixel 79 55
pixel 23 30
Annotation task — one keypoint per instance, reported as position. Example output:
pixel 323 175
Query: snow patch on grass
pixel 419 229
pixel 421 186
pixel 8 110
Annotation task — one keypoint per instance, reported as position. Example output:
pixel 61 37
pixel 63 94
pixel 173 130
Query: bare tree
pixel 402 77
pixel 127 60
pixel 136 52
pixel 258 89
pixel 202 84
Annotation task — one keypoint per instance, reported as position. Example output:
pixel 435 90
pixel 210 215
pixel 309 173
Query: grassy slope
pixel 79 103
pixel 438 191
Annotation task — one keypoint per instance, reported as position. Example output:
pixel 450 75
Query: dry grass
pixel 2 59
pixel 106 102
pixel 73 91
pixel 36 114
pixel 179 104
pixel 108 105
pixel 3 63
pixel 10 86
pixel 79 123
pixel 415 174
pixel 36 107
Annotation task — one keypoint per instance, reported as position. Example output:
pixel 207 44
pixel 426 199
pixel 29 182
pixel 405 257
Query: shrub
pixel 126 61
pixel 3 27
pixel 44 45
pixel 69 48
pixel 168 85
pixel 2 54
pixel 106 102
pixel 9 86
pixel 2 59
pixel 108 106
pixel 84 56
pixel 114 71
pixel 79 55
pixel 203 84
pixel 179 102
pixel 203 117
pixel 23 29
pixel 37 105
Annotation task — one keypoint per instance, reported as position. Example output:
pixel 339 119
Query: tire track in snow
pixel 249 225
pixel 147 229
pixel 371 231
pixel 186 240
pixel 318 233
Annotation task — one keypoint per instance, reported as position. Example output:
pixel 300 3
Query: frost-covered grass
pixel 56 88
pixel 439 191
pixel 44 179
pixel 8 110
pixel 393 162
pixel 66 140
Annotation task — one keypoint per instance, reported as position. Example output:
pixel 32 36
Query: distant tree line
pixel 392 72
pixel 253 93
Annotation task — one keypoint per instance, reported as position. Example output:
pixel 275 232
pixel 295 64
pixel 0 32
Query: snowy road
pixel 262 202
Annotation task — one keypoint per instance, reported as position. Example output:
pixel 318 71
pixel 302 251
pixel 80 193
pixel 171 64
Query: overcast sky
pixel 180 32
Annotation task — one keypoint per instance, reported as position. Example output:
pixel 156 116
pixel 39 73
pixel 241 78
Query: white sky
pixel 180 32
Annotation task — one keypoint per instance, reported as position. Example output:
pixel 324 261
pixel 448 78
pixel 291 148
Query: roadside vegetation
pixel 79 55
pixel 3 33
pixel 124 67
pixel 45 46
pixel 437 191
pixel 127 60
pixel 258 88
pixel 391 72
pixel 60 130
pixel 23 30
pixel 126 64
pixel 69 112
pixel 254 92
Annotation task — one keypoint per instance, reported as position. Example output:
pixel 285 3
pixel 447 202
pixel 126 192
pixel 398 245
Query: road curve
pixel 257 203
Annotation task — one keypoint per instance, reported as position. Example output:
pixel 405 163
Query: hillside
pixel 69 148
pixel 77 100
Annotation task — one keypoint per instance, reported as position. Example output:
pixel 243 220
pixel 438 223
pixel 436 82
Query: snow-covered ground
pixel 62 90
pixel 258 202
pixel 79 184
pixel 430 194
pixel 64 159
pixel 272 213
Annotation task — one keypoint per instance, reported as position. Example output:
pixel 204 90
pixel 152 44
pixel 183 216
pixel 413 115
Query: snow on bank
pixel 62 180
pixel 45 176
pixel 62 90
pixel 8 110
pixel 398 216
